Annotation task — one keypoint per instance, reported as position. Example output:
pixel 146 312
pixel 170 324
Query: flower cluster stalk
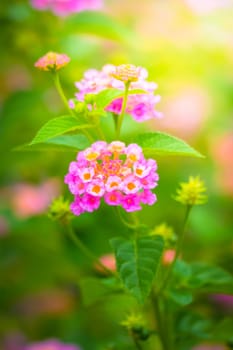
pixel 178 250
pixel 85 250
pixel 61 93
pixel 124 104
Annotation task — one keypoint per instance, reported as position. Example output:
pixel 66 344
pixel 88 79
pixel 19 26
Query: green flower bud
pixel 191 192
pixel 90 98
pixel 60 210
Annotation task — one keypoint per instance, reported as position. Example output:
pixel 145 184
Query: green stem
pixel 85 250
pixel 60 91
pixel 126 223
pixel 121 116
pixel 136 341
pixel 160 324
pixel 178 249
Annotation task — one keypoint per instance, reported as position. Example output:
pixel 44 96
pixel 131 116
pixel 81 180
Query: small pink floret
pixel 131 202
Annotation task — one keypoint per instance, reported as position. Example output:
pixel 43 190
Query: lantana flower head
pixel 52 61
pixel 66 7
pixel 117 173
pixel 140 106
pixel 52 344
pixel 126 73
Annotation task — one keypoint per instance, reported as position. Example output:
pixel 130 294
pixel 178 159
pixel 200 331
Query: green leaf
pixel 210 278
pixel 193 325
pixel 161 144
pixel 181 271
pixel 58 126
pixel 64 143
pixel 78 142
pixel 137 263
pixel 180 297
pixel 105 97
pixel 98 24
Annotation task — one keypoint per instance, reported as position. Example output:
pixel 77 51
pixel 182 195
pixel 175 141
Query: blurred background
pixel 187 47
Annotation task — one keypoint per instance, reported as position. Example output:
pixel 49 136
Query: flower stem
pixel 85 250
pixel 132 225
pixel 60 91
pixel 121 116
pixel 162 333
pixel 178 249
pixel 136 341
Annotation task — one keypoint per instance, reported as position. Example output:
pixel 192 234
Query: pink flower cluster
pixel 51 345
pixel 52 61
pixel 140 106
pixel 66 7
pixel 118 173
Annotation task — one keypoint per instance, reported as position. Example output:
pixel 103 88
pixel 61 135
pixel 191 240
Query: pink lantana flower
pixel 140 106
pixel 66 7
pixel 52 61
pixel 115 172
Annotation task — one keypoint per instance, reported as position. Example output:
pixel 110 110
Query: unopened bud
pixel 191 192
pixel 60 210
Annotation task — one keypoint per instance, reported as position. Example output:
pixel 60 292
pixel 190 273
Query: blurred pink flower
pixel 206 6
pixel 210 347
pixel 186 112
pixel 52 302
pixel 4 226
pixel 223 300
pixel 109 261
pixel 13 340
pixel 66 7
pixel 168 256
pixel 52 344
pixel 221 148
pixel 28 200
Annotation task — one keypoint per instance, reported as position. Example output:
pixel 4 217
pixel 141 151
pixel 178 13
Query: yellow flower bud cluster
pixel 192 192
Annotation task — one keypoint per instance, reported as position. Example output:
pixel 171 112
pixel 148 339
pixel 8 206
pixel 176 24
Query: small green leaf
pixel 180 297
pixel 182 271
pixel 77 142
pixel 64 143
pixel 105 97
pixel 58 126
pixel 161 144
pixel 137 263
pixel 210 278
